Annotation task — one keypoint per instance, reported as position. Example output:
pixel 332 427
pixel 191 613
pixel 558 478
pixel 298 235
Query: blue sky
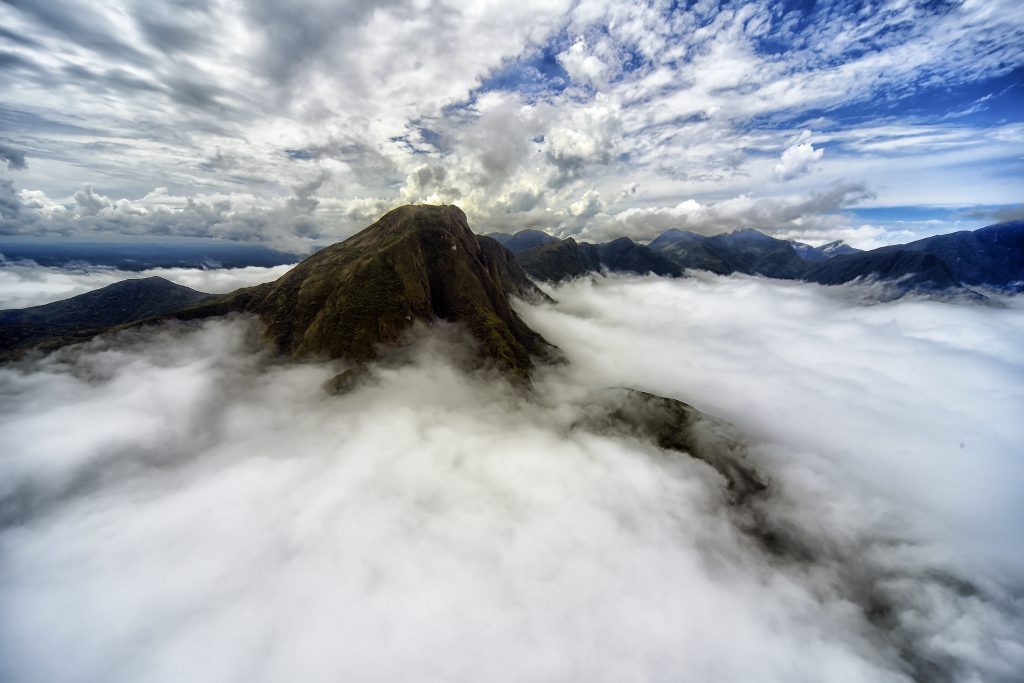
pixel 874 122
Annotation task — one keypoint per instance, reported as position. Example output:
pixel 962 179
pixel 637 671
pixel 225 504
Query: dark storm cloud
pixel 17 38
pixel 10 61
pixel 10 205
pixel 298 34
pixel 366 162
pixel 198 94
pixel 109 80
pixel 171 26
pixel 81 24
pixel 1010 213
pixel 14 158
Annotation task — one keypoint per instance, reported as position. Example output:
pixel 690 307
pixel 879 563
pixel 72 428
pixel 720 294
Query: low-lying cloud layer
pixel 176 504
pixel 25 284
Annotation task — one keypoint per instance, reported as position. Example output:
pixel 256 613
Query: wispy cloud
pixel 526 106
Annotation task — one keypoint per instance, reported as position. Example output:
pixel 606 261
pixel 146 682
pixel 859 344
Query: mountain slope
pixel 85 315
pixel 417 263
pixel 992 256
pixel 755 253
pixel 743 251
pixel 824 252
pixel 690 250
pixel 522 240
pixel 559 261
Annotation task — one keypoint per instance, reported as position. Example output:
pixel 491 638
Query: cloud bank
pixel 514 110
pixel 25 283
pixel 204 511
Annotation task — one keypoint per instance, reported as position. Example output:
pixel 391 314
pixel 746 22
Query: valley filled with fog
pixel 176 503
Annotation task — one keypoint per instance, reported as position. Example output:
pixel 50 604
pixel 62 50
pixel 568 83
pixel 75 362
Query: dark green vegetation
pixel 416 264
pixel 567 259
pixel 86 315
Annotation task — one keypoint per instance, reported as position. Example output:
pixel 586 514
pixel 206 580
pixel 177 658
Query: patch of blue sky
pixel 980 214
pixel 534 75
pixel 991 101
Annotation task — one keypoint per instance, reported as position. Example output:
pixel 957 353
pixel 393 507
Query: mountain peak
pixel 417 263
pixel 85 315
pixel 523 240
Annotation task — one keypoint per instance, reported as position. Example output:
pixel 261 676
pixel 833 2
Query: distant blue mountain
pixel 135 256
pixel 80 317
pixel 824 252
pixel 522 240
pixel 743 251
pixel 563 260
pixel 992 256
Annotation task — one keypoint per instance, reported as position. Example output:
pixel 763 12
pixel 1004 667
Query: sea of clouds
pixel 177 504
pixel 25 283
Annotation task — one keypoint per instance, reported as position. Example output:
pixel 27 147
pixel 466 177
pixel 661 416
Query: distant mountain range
pixel 555 260
pixel 824 252
pixel 991 257
pixel 423 263
pixel 139 255
pixel 86 315
pixel 417 264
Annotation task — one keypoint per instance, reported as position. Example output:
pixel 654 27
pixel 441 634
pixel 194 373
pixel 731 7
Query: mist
pixel 176 503
pixel 25 283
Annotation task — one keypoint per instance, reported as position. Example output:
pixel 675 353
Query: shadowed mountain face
pixel 755 253
pixel 568 259
pixel 992 256
pixel 522 240
pixel 417 263
pixel 85 315
pixel 690 250
pixel 824 252
pixel 743 251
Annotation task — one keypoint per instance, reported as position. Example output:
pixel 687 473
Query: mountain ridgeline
pixel 415 264
pixel 991 257
pixel 552 260
pixel 424 264
pixel 86 315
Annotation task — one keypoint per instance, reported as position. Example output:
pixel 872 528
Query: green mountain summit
pixel 417 263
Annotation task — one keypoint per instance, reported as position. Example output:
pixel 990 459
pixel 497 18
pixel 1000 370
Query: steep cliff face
pixel 417 263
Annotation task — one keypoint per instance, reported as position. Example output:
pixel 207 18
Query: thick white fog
pixel 25 283
pixel 177 505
